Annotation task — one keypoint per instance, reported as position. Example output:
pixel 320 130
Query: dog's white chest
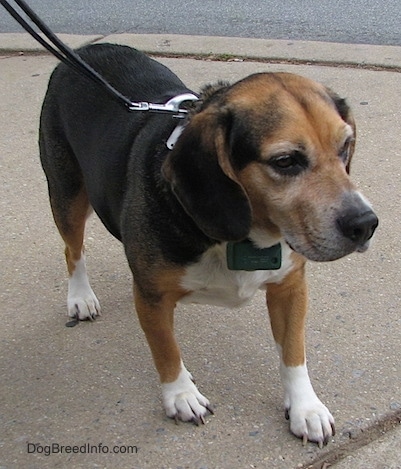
pixel 211 282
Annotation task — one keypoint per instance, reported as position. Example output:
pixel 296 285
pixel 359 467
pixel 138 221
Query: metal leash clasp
pixel 174 103
pixel 171 106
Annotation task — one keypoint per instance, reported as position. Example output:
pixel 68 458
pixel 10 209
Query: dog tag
pixel 174 136
pixel 244 255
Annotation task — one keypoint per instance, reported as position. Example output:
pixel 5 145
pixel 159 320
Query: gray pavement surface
pixel 359 21
pixel 95 383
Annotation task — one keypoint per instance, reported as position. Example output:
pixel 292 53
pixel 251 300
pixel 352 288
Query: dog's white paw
pixel 83 304
pixel 183 401
pixel 81 301
pixel 311 420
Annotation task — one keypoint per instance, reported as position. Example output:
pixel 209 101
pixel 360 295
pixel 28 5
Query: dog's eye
pixel 346 150
pixel 289 165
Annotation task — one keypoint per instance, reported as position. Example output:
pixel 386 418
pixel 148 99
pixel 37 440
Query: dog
pixel 266 159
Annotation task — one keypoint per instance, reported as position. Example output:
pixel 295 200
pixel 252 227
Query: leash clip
pixel 172 105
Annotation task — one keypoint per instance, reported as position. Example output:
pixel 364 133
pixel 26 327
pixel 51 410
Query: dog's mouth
pixel 330 250
pixel 341 236
pixel 364 247
pixel 291 246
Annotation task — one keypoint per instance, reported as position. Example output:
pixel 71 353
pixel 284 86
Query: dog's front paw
pixel 83 304
pixel 311 421
pixel 183 401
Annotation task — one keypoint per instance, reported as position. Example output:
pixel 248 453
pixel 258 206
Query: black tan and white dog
pixel 266 159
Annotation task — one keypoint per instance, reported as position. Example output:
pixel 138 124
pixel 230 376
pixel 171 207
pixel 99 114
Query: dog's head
pixel 270 157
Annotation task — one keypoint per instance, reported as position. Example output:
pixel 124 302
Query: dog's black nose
pixel 359 228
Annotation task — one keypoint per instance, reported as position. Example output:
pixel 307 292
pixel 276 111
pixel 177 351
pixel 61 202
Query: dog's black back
pixel 85 133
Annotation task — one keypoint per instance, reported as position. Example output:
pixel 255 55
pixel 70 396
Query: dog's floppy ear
pixel 201 177
pixel 346 115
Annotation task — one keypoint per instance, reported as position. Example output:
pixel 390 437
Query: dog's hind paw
pixel 84 306
pixel 183 401
pixel 81 301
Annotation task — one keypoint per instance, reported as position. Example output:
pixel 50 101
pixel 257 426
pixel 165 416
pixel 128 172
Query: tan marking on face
pixel 304 206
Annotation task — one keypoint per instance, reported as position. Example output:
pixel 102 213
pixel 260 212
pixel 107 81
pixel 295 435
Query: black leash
pixel 65 54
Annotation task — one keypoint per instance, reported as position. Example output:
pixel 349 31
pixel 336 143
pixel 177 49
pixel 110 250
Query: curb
pixel 225 48
pixel 25 43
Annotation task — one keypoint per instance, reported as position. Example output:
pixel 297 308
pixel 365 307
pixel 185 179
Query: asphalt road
pixel 360 21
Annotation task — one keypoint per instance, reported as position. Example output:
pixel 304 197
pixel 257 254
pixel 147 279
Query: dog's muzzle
pixel 341 232
pixel 358 227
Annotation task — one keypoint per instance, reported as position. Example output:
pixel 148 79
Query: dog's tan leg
pixel 70 220
pixel 287 304
pixel 181 398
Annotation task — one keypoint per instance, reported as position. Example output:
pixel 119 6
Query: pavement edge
pixel 226 48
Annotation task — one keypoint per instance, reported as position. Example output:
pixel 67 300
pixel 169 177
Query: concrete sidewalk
pixel 95 384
